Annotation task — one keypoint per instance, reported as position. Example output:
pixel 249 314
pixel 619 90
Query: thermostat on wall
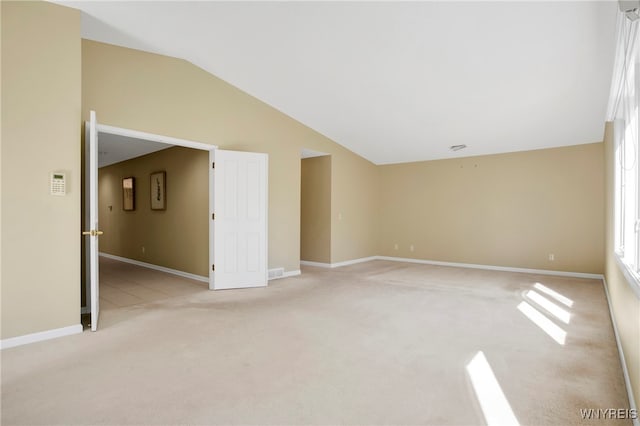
pixel 58 183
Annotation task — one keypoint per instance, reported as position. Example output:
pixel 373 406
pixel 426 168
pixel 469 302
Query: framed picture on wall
pixel 129 193
pixel 158 191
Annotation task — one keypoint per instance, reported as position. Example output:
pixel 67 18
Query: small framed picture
pixel 128 193
pixel 158 191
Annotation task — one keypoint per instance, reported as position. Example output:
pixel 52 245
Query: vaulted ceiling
pixel 395 81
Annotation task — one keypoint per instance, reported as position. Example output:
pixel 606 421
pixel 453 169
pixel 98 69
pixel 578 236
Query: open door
pixel 91 164
pixel 240 219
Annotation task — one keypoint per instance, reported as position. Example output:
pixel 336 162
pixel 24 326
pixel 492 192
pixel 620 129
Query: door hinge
pixel 213 165
pixel 213 216
pixel 213 267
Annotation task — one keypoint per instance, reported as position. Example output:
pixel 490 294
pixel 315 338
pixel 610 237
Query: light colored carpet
pixel 373 343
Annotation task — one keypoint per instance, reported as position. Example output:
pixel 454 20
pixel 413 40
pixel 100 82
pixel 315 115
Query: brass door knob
pixel 92 233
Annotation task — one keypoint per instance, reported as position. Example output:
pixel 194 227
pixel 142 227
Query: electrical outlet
pixel 552 257
pixel 143 249
pixel 411 247
pixel 395 246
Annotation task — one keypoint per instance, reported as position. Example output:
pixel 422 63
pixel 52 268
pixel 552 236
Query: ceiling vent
pixel 457 147
pixel 631 8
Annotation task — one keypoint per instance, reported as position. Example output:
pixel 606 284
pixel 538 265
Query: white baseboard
pixel 316 264
pixel 292 273
pixel 494 268
pixel 40 336
pixel 337 264
pixel 453 264
pixel 353 262
pixel 156 267
pixel 286 274
pixel 623 362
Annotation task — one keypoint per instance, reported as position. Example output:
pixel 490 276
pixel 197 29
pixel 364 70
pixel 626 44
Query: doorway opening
pixel 169 238
pixel 315 207
pixel 138 207
pixel 237 211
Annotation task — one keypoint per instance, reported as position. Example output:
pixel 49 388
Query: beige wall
pixel 315 210
pixel 176 238
pixel 41 69
pixel 505 210
pixel 625 305
pixel 168 96
pixel 354 208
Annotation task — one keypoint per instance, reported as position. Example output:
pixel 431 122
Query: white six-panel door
pixel 240 223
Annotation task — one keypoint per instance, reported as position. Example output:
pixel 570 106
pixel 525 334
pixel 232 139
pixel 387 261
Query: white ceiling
pixel 115 148
pixel 395 81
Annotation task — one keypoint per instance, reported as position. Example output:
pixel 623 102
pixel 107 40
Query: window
pixel 623 111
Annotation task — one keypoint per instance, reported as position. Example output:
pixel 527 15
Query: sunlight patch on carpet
pixel 549 306
pixel 545 324
pixel 559 297
pixel 493 402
